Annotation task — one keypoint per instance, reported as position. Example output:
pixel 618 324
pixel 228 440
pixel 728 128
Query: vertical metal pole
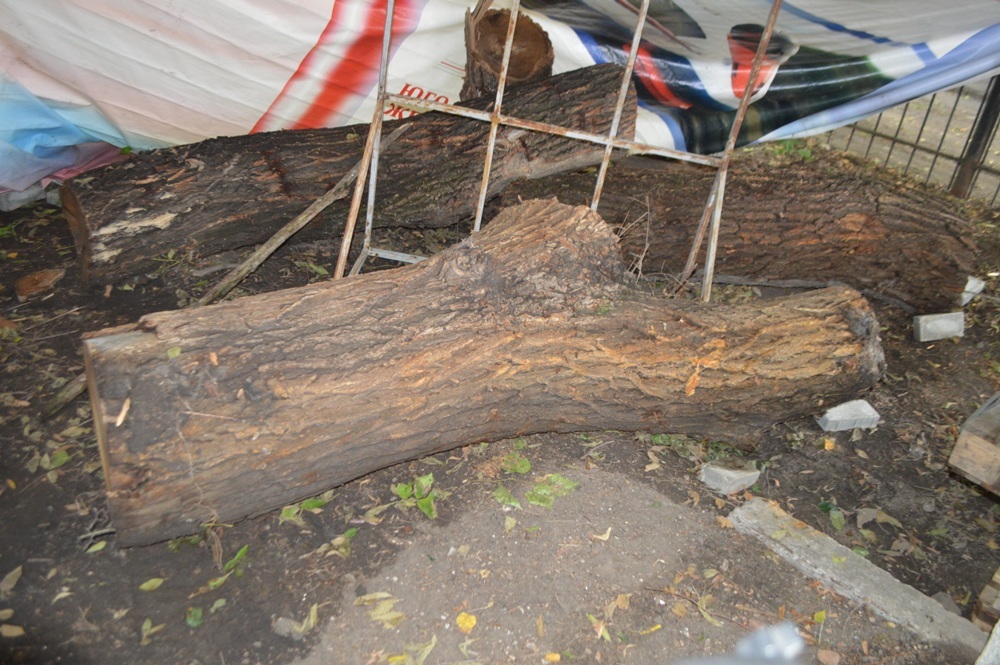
pixel 975 148
pixel 620 105
pixel 371 148
pixel 495 115
pixel 713 207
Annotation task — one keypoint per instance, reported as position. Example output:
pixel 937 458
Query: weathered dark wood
pixel 528 326
pixel 531 55
pixel 806 221
pixel 231 192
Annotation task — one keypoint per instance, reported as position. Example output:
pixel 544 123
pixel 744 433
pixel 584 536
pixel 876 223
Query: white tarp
pixel 78 75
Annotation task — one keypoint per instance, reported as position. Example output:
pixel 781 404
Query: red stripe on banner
pixel 648 73
pixel 303 68
pixel 359 63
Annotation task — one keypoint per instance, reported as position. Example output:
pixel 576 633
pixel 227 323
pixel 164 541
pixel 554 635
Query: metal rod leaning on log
pixel 369 161
pixel 495 114
pixel 713 208
pixel 620 104
pixel 336 193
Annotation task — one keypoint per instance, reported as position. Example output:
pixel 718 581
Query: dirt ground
pixel 614 553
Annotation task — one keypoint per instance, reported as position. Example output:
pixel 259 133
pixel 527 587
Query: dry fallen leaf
pixel 828 657
pixel 466 622
pixel 9 630
pixel 724 522
pixel 37 283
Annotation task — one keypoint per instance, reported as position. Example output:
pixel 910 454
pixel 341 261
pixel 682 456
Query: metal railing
pixel 948 139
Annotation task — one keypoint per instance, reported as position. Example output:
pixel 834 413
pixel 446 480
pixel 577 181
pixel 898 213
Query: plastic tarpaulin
pixel 81 75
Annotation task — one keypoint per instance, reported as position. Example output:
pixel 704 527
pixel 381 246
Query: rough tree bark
pixel 232 192
pixel 792 222
pixel 528 326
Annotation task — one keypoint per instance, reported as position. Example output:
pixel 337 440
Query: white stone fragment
pixel 973 287
pixel 931 327
pixel 728 476
pixel 849 415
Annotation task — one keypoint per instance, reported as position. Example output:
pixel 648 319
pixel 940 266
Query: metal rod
pixel 983 127
pixel 944 135
pixel 710 214
pixel 620 104
pixel 495 115
pixel 371 147
pixel 532 125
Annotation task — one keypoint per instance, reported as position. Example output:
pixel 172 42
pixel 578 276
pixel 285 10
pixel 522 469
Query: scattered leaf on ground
pixel 152 584
pixel 148 630
pixel 703 603
pixel 9 581
pixel 193 616
pixel 6 614
pixel 97 547
pixel 466 622
pixel 603 536
pixel 505 498
pixel 724 522
pixel 11 631
pixel 828 657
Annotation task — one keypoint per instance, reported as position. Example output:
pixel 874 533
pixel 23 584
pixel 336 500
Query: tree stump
pixel 531 55
pixel 528 326
pixel 804 221
pixel 232 192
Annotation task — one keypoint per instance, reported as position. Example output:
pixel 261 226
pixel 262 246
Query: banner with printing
pixel 80 80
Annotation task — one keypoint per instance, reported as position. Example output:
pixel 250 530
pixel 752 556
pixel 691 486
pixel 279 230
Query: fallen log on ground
pixel 793 222
pixel 528 326
pixel 233 192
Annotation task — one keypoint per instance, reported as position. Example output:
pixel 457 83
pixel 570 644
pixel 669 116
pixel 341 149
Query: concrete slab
pixel 728 476
pixel 817 555
pixel 973 287
pixel 991 654
pixel 932 327
pixel 850 415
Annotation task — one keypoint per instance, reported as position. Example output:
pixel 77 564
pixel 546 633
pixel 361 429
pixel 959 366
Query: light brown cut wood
pixel 529 326
pixel 976 454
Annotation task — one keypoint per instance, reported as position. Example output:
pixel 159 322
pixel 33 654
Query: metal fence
pixel 948 139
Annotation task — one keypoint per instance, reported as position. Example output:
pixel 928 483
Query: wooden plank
pixel 977 452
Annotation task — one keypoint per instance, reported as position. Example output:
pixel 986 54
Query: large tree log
pixel 232 192
pixel 528 326
pixel 801 221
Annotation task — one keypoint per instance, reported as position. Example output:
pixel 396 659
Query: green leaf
pixel 152 584
pixel 422 485
pixel 819 617
pixel 837 519
pixel 540 495
pixel 427 507
pixel 217 605
pixel 515 463
pixel 561 486
pixel 216 582
pixel 403 490
pixel 313 504
pixel 509 523
pixel 860 551
pixel 237 558
pixel 58 458
pixel 826 506
pixel 173 352
pixel 97 547
pixel 193 617
pixel 505 498
pixel 939 532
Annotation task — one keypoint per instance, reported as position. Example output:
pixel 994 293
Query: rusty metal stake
pixel 713 207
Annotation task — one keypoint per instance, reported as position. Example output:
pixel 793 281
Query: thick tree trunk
pixel 531 55
pixel 232 192
pixel 791 222
pixel 528 326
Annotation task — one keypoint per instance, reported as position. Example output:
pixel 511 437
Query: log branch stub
pixel 528 326
pixel 794 222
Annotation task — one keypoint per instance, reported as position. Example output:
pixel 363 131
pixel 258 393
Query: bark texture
pixel 791 222
pixel 529 326
pixel 232 192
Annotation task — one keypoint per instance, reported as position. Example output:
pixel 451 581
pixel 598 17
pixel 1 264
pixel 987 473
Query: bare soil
pixel 630 564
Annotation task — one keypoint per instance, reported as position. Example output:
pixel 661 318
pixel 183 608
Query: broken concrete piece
pixel 931 327
pixel 991 654
pixel 820 557
pixel 973 287
pixel 849 415
pixel 728 476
